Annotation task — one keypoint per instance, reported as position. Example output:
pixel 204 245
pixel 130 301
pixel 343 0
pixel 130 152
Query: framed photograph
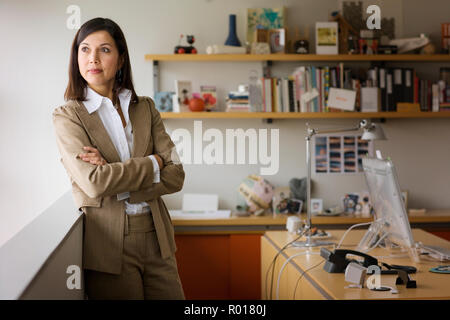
pixel 277 40
pixel 316 206
pixel 264 18
pixel 208 94
pixel 327 38
pixel 183 91
pixel 164 101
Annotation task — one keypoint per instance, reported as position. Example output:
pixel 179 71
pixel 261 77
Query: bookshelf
pixel 303 115
pixel 297 57
pixel 156 58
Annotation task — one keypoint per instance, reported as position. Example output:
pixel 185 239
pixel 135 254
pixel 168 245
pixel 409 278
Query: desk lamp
pixel 372 131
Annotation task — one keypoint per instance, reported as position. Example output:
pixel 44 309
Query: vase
pixel 232 39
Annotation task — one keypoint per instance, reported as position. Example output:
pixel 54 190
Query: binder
pixel 408 85
pixel 382 85
pixel 390 91
pixel 398 86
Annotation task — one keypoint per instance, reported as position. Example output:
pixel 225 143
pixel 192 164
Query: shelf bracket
pixel 155 76
pixel 267 120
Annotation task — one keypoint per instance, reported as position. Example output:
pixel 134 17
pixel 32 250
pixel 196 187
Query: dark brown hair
pixel 76 87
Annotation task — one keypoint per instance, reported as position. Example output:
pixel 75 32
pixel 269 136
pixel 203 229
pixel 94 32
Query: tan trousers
pixel 145 275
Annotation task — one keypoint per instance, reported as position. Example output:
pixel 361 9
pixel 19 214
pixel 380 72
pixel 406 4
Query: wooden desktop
pixel 317 284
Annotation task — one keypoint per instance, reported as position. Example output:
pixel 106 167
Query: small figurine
pixel 186 49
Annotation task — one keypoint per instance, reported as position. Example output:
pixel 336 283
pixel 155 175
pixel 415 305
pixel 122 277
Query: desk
pixel 319 284
pixel 229 250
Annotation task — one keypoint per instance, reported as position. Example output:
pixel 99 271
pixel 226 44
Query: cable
pixel 273 264
pixel 377 243
pixel 304 272
pixel 348 230
pixel 284 265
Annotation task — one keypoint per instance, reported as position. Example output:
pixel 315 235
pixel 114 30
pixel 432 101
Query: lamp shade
pixel 373 132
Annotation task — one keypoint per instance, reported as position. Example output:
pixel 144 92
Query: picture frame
pixel 316 206
pixel 183 93
pixel 277 40
pixel 164 101
pixel 283 203
pixel 327 40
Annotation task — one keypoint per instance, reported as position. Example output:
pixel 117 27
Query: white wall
pixel 34 62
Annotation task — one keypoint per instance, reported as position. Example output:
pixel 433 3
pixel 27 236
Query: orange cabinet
pixel 222 266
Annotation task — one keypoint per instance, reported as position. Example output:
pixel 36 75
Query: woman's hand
pixel 93 156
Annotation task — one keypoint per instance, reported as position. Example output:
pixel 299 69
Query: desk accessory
pixel 441 269
pixel 372 131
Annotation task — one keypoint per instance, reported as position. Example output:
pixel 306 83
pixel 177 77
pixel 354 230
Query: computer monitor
pixel 391 219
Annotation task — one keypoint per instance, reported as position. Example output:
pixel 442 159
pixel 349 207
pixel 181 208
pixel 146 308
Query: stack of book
pixel 237 102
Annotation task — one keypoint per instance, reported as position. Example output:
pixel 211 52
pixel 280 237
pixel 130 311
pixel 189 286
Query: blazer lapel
pixel 141 123
pixel 98 134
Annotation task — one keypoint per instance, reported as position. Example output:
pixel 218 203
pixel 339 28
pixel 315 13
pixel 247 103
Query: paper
pixel 211 214
pixel 342 99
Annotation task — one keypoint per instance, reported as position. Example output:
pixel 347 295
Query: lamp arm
pixel 312 132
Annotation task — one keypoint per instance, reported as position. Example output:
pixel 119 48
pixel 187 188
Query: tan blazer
pixel 95 188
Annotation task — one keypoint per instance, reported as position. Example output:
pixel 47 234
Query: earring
pixel 119 75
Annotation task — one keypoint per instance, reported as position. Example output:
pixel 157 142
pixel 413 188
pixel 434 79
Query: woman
pixel 120 160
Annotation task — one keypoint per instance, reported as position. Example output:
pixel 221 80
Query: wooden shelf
pixel 297 57
pixel 302 115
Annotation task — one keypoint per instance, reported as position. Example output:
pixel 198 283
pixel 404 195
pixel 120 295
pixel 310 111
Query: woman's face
pixel 98 60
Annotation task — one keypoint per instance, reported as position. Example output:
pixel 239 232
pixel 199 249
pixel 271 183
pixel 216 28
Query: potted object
pixel 196 104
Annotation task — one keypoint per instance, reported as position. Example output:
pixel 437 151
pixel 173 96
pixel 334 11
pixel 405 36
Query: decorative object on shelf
pixel 222 49
pixel 429 48
pixel 368 44
pixel 387 49
pixel 316 206
pixel 179 49
pixel 260 48
pixel 347 34
pixel 183 90
pixel 232 39
pixel 352 12
pixel 264 18
pixel 261 35
pixel 327 38
pixel 301 47
pixel 445 38
pixel 208 94
pixel 298 189
pixel 196 103
pixel 280 200
pixel 410 44
pixel 164 101
pixel 254 195
pixel 277 40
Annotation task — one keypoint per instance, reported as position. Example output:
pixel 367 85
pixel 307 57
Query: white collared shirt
pixel 121 137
